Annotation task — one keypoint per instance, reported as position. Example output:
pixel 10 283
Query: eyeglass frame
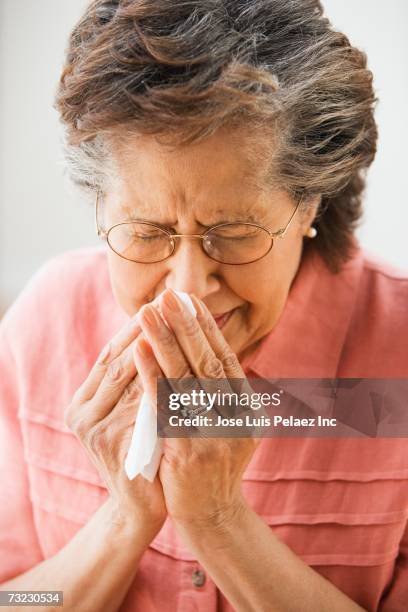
pixel 278 234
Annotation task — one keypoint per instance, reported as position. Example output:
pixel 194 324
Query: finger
pixel 125 411
pixel 195 352
pixel 130 398
pixel 216 340
pixel 164 344
pixel 198 349
pixel 170 358
pixel 232 367
pixel 149 372
pixel 148 369
pixel 118 376
pixel 108 354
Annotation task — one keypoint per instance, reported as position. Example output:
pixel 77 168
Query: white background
pixel 41 214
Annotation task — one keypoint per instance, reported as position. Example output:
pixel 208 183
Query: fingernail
pixel 171 300
pixel 150 317
pixel 198 305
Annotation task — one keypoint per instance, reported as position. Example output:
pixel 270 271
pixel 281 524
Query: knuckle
pixel 167 339
pixel 185 372
pixel 210 365
pixel 80 427
pixel 174 459
pixel 95 439
pixel 230 361
pixel 132 392
pixel 73 418
pixel 190 327
pixel 115 371
pixel 209 326
pixel 187 383
pixel 106 354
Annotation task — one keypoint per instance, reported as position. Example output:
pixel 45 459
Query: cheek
pixel 265 287
pixel 132 284
pixel 266 279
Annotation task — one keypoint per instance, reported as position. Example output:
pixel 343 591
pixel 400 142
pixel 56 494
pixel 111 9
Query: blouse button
pixel 198 578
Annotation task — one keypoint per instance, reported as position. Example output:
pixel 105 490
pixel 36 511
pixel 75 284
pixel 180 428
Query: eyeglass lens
pixel 229 243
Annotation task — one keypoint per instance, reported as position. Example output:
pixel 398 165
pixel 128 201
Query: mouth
pixel 221 319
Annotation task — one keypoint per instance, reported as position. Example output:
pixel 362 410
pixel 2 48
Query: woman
pixel 181 117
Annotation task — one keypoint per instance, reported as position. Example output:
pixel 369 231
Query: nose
pixel 191 270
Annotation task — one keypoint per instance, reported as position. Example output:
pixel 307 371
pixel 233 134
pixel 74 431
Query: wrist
pixel 219 525
pixel 129 523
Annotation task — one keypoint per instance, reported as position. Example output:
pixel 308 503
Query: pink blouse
pixel 340 504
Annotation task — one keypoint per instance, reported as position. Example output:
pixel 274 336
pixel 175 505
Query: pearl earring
pixel 311 232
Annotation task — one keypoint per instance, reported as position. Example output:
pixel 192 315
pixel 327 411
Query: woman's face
pixel 197 186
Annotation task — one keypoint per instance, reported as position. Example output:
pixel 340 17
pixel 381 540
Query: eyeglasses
pixel 234 244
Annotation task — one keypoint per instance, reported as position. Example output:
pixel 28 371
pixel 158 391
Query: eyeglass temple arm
pixel 280 233
pixel 99 231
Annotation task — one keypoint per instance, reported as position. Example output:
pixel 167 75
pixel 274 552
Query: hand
pixel 201 477
pixel 102 415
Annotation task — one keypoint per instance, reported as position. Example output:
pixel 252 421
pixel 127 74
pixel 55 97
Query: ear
pixel 309 212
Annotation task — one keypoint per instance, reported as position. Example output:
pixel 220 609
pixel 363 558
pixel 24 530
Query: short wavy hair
pixel 181 69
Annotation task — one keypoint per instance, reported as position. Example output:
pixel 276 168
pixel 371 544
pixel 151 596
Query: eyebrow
pixel 229 217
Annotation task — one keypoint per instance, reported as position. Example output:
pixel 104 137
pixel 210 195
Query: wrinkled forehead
pixel 227 162
pixel 226 177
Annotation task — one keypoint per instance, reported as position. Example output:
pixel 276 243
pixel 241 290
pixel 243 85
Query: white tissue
pixel 145 449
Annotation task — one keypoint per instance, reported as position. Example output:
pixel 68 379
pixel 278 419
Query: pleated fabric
pixel 340 504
